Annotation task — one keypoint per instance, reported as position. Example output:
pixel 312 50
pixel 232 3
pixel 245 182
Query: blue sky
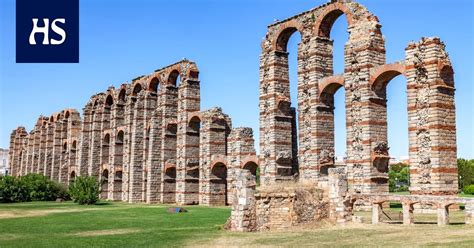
pixel 120 40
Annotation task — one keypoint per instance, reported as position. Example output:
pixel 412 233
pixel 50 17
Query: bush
pixel 32 187
pixel 84 190
pixel 469 190
pixel 465 172
pixel 11 190
pixel 40 188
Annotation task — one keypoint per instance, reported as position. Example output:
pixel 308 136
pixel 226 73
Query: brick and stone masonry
pixel 146 141
pixel 149 140
pixel 430 87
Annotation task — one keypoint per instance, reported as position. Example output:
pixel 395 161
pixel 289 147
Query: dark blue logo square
pixel 47 31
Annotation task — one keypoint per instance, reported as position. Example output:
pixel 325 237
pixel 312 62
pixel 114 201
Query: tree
pixel 465 172
pixel 398 177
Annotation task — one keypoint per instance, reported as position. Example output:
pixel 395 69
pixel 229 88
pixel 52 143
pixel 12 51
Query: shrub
pixel 84 190
pixel 469 190
pixel 32 187
pixel 11 190
pixel 40 188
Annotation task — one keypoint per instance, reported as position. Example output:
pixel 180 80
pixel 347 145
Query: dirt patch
pixel 107 232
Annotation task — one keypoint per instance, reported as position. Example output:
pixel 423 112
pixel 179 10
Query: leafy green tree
pixel 85 190
pixel 465 172
pixel 398 177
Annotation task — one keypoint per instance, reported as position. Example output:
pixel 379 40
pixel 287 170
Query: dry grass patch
pixel 107 232
pixel 20 213
pixel 353 235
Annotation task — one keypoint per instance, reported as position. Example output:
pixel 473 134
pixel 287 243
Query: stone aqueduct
pixel 148 141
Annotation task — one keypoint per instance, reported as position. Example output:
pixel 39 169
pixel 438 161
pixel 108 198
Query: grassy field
pixel 54 224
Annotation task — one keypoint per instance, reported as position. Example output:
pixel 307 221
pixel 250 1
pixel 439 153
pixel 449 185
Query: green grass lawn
pixel 51 224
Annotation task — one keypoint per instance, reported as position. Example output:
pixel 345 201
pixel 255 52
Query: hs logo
pixel 45 30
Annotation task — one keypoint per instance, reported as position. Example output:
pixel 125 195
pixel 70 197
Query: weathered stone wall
pixel 431 112
pixel 243 216
pixel 146 141
pixel 287 205
pixel 49 149
pixel 241 156
pixel 432 132
pixel 340 207
pixel 149 141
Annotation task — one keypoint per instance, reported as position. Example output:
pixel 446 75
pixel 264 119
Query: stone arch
pixel 169 182
pixel 250 163
pixel 67 114
pixel 329 15
pixel 195 120
pixel 168 168
pixel 285 31
pixel 383 74
pixel 72 177
pixel 218 159
pixel 106 148
pixel 172 78
pixel 122 96
pixel 109 100
pixel 153 84
pixel 120 137
pixel 104 183
pixel 330 84
pixel 137 87
pixel 218 184
pixel 59 116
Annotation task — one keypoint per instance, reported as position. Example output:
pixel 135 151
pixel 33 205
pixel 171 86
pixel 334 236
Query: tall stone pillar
pixel 94 166
pixel 117 144
pixel 65 150
pixel 57 147
pixel 48 157
pixel 188 103
pixel 137 153
pixel 215 128
pixel 168 106
pixel 432 123
pixel 129 117
pixel 13 153
pixel 30 153
pixel 363 52
pixel 278 156
pixel 150 99
pixel 85 140
pixel 154 163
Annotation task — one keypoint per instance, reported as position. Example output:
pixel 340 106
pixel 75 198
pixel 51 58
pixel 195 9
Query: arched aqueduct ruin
pixel 149 141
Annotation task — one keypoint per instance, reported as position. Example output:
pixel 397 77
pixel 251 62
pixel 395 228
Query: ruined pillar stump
pixel 243 217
